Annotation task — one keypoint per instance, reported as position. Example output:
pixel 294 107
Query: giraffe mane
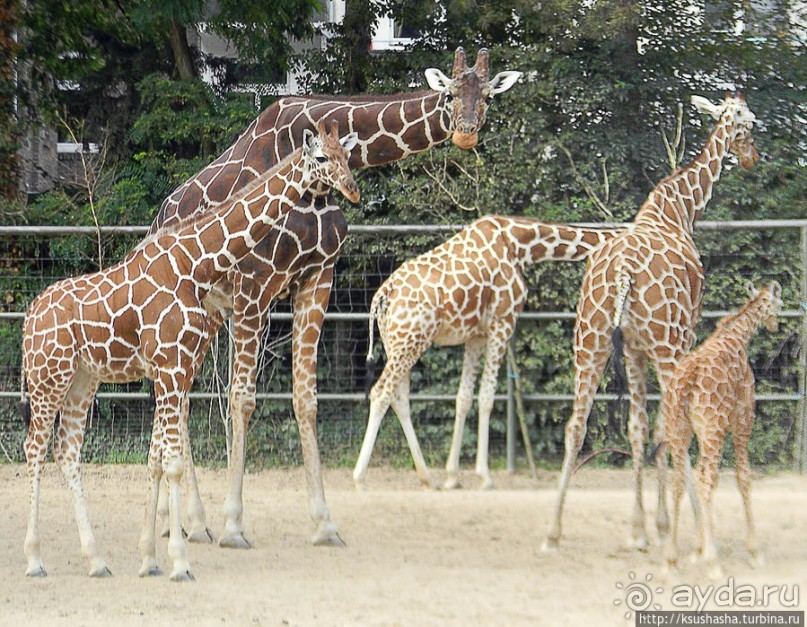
pixel 366 98
pixel 750 303
pixel 205 213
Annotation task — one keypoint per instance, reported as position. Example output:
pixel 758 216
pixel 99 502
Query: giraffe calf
pixel 710 393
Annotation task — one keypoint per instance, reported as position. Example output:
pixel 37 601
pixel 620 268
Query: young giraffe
pixel 145 316
pixel 645 286
pixel 298 255
pixel 468 291
pixel 711 392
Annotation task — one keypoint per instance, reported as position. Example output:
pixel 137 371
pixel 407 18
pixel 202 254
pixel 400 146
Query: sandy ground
pixel 413 557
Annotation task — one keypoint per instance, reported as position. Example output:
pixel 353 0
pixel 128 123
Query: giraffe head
pixel 771 303
pixel 326 156
pixel 467 95
pixel 739 120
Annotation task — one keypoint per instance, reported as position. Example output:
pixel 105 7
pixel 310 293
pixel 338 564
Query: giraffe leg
pixel 400 405
pixel 167 451
pixel 380 399
pixel 197 518
pixel 636 368
pixel 742 431
pixel 43 415
pixel 465 395
pixel 310 304
pixel 242 405
pixel 710 440
pixel 589 365
pixel 252 300
pixel 401 356
pixel 680 434
pixel 67 451
pixel 198 532
pixel 498 335
pixel 148 542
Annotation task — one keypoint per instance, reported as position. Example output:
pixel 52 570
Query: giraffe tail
pixel 24 405
pixel 377 308
pixel 618 337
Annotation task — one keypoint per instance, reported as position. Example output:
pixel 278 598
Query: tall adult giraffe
pixel 645 287
pixel 468 290
pixel 145 316
pixel 299 254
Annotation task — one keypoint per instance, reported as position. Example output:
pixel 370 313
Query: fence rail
pixel 797 396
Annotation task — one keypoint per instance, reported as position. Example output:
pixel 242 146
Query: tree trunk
pixel 182 51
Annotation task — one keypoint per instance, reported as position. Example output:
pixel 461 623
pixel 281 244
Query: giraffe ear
pixel 776 289
pixel 349 141
pixel 503 81
pixel 308 140
pixel 706 106
pixel 750 289
pixel 437 80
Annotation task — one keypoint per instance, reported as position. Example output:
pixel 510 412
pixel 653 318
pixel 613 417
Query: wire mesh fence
pixel 119 426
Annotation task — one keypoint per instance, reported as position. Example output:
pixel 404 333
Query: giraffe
pixel 469 290
pixel 645 285
pixel 710 392
pixel 298 255
pixel 145 316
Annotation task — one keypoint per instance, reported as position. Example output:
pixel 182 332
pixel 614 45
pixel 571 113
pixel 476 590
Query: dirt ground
pixel 413 557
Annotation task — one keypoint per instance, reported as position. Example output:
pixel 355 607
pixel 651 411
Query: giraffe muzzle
pixel 350 190
pixel 465 141
pixel 748 161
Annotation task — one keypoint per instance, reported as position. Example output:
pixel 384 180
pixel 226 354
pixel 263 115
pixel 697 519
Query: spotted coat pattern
pixel 298 256
pixel 648 282
pixel 468 291
pixel 711 392
pixel 145 316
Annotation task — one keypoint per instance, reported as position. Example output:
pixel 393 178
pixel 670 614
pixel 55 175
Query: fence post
pixel 511 420
pixel 801 450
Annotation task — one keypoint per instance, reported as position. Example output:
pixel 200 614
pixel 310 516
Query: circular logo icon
pixel 637 596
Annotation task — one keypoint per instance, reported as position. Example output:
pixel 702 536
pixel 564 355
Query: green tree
pixel 9 21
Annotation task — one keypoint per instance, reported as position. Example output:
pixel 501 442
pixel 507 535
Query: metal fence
pixel 370 254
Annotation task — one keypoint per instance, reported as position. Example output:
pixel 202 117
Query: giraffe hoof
pixel 452 483
pixel 234 541
pixel 328 536
pixel 638 543
pixel 182 576
pixel 550 545
pixel 101 572
pixel 200 536
pixel 36 571
pixel 151 571
pixel 486 484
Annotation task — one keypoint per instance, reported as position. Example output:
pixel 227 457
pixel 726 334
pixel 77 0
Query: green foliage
pixel 579 138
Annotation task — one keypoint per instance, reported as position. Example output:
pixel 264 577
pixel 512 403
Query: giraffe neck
pixel 678 200
pixel 534 241
pixel 389 127
pixel 221 238
pixel 743 325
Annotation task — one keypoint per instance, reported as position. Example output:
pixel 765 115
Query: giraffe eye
pixel 449 96
pixel 321 158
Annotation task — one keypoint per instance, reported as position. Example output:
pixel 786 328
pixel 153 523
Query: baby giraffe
pixel 145 317
pixel 710 393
